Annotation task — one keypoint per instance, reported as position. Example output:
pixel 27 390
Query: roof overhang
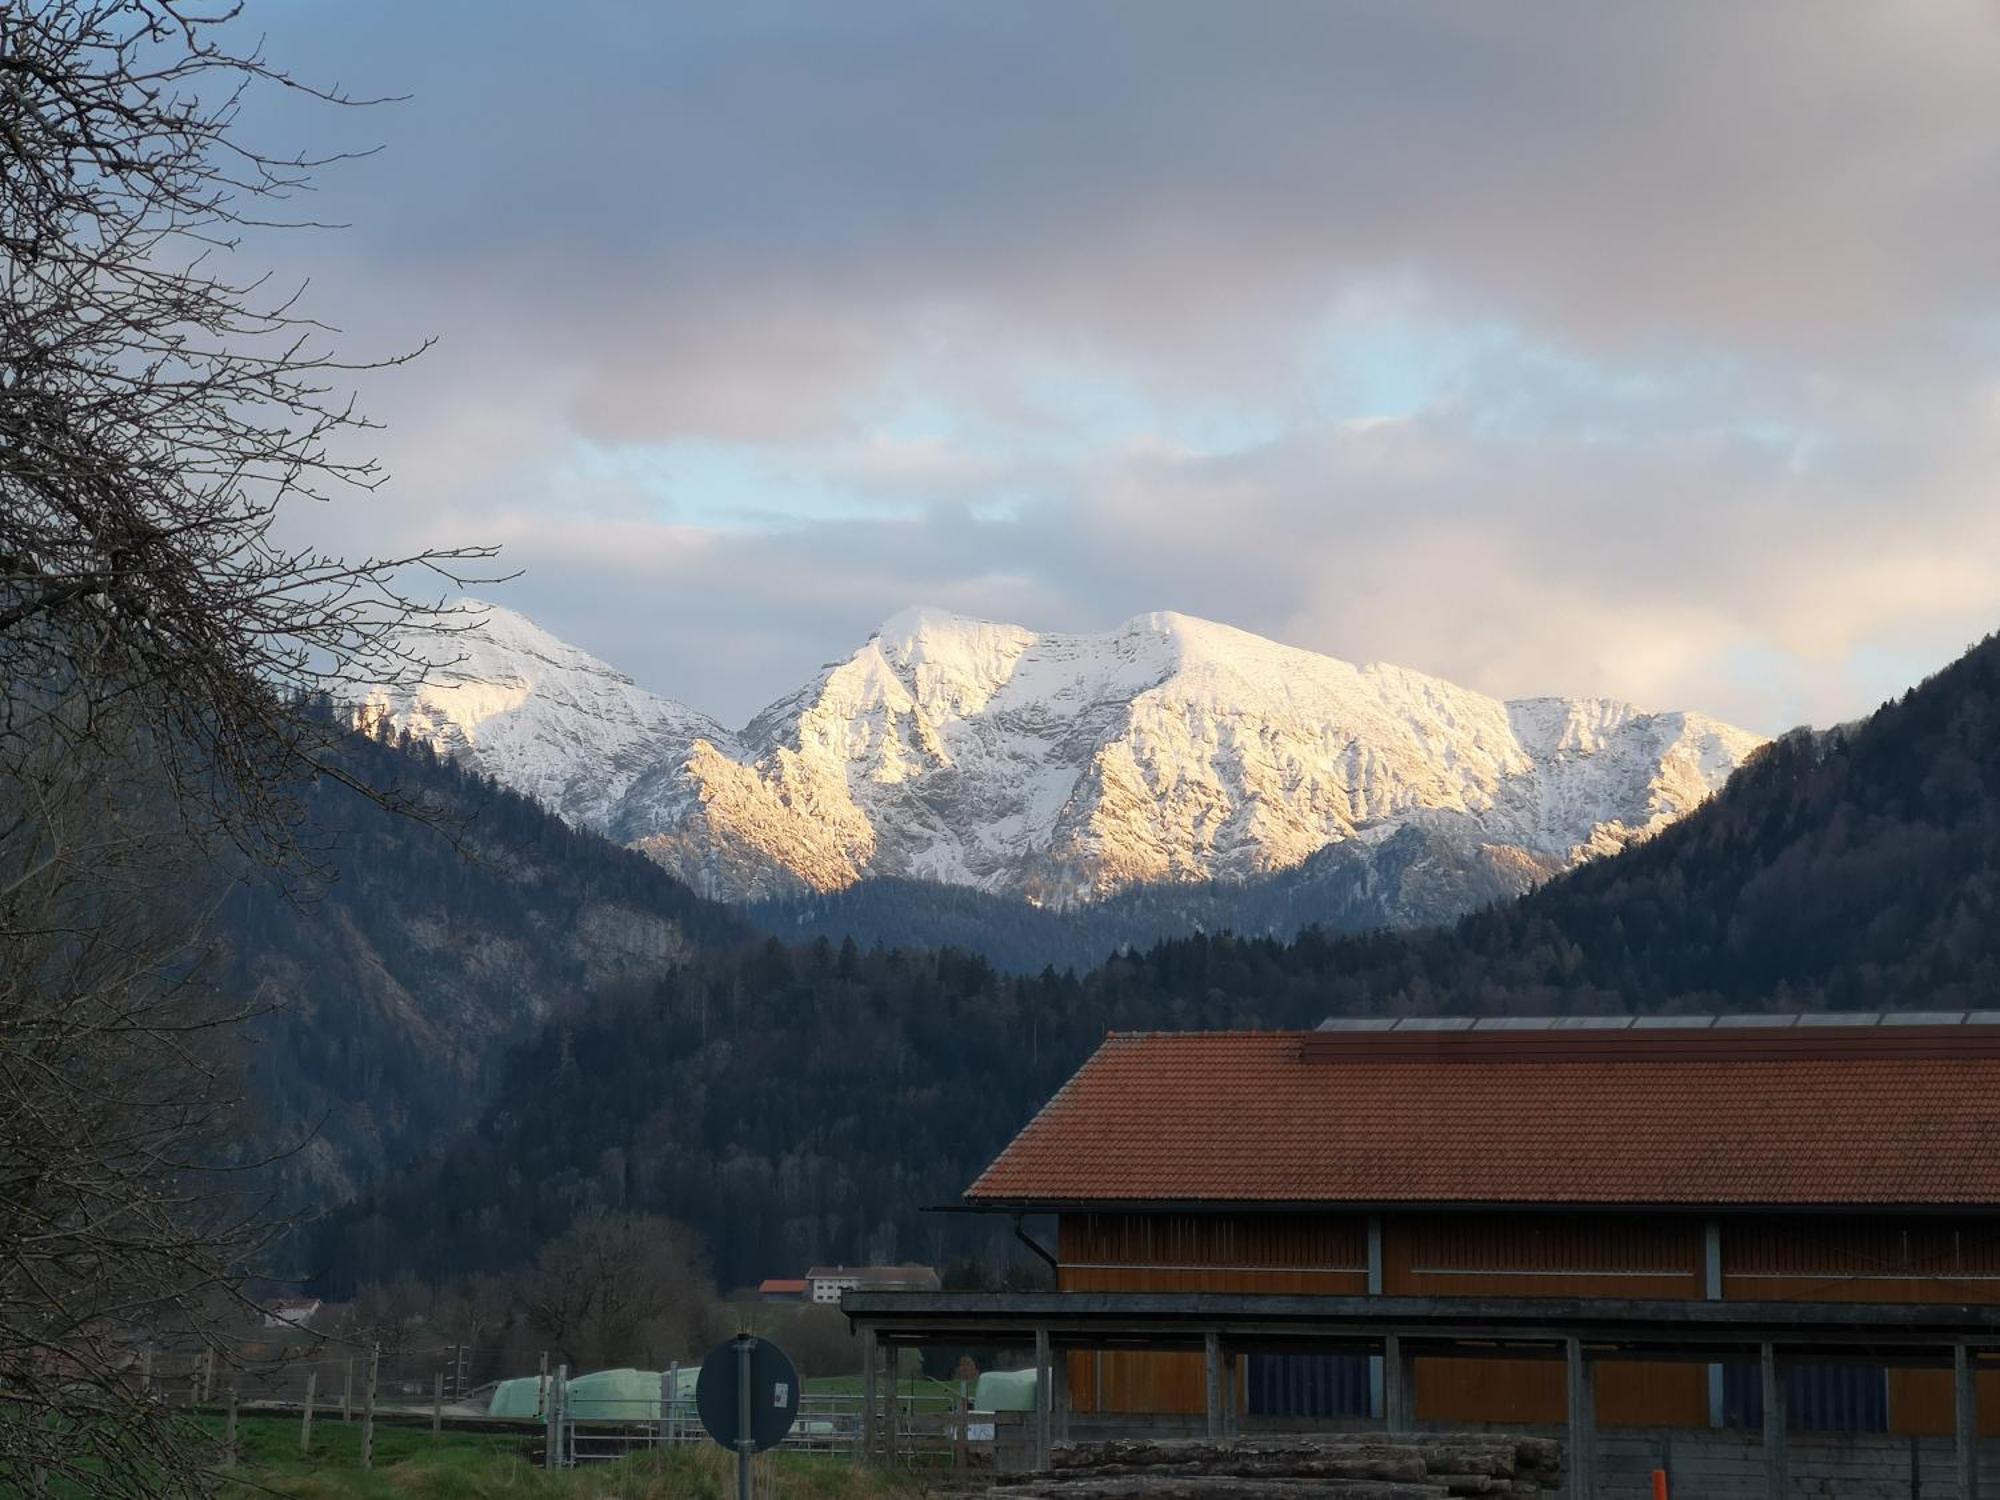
pixel 1413 1205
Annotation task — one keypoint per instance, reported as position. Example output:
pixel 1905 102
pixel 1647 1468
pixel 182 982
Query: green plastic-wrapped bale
pixel 1005 1390
pixel 519 1399
pixel 616 1396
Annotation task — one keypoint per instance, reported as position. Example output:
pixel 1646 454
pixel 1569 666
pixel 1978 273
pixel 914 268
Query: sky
pixel 1640 351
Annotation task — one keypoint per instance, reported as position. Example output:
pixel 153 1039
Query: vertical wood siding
pixel 1278 1253
pixel 1826 1258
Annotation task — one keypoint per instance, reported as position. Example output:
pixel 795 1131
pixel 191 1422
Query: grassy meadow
pixel 468 1466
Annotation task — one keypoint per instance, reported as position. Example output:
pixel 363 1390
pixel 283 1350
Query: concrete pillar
pixel 1212 1381
pixel 1059 1398
pixel 1582 1422
pixel 1965 1420
pixel 1777 1465
pixel 1044 1398
pixel 1232 1363
pixel 1399 1386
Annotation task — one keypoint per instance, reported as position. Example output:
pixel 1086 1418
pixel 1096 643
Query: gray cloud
pixel 1727 446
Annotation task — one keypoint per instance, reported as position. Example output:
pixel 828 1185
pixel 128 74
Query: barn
pixel 1761 1160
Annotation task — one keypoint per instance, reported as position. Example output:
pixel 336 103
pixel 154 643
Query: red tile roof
pixel 780 1286
pixel 1289 1117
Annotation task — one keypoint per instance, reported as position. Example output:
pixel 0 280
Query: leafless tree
pixel 621 1289
pixel 161 408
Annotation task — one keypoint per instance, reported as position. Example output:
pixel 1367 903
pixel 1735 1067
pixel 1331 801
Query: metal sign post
pixel 747 1398
pixel 745 1444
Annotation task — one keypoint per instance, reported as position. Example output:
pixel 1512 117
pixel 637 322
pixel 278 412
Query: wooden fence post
pixel 208 1375
pixel 229 1425
pixel 146 1372
pixel 437 1405
pixel 347 1392
pixel 306 1421
pixel 368 1409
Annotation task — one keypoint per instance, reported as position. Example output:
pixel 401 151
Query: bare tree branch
pixel 162 649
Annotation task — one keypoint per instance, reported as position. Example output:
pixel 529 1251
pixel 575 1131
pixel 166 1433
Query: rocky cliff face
pixel 1061 768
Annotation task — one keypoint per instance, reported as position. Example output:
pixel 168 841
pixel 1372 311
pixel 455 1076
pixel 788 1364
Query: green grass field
pixel 463 1466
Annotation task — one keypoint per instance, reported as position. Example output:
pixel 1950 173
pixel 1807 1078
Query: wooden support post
pixel 892 1357
pixel 1711 1290
pixel 437 1405
pixel 1375 1390
pixel 1212 1372
pixel 229 1424
pixel 306 1420
pixel 1777 1461
pixel 1582 1422
pixel 1965 1420
pixel 961 1433
pixel 347 1392
pixel 1399 1386
pixel 871 1356
pixel 1044 1398
pixel 368 1408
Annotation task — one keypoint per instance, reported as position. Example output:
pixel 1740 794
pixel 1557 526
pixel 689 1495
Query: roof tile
pixel 1243 1117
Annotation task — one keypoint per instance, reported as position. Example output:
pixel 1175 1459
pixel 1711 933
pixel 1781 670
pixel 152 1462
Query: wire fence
pixel 565 1420
pixel 340 1377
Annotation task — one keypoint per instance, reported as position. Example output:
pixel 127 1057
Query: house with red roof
pixel 1823 1159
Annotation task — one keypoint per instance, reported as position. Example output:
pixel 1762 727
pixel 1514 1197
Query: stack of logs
pixel 1358 1466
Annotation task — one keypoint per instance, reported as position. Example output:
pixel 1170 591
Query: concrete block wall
pixel 1727 1465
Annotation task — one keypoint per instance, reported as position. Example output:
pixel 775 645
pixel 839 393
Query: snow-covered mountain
pixel 1061 767
pixel 536 714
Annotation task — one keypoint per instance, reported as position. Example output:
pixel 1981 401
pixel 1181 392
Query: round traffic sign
pixel 773 1392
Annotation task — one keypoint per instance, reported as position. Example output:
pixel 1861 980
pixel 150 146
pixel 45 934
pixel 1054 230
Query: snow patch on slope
pixel 538 714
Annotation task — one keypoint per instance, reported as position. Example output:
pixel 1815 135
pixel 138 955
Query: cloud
pixel 1637 350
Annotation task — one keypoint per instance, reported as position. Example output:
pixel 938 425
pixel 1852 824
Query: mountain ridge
pixel 1058 767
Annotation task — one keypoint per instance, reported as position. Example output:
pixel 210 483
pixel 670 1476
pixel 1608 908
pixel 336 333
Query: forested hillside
pixel 417 946
pixel 794 1104
pixel 808 1103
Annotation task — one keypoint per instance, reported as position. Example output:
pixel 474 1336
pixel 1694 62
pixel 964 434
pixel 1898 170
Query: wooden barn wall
pixel 1852 1259
pixel 1547 1255
pixel 1780 1258
pixel 1279 1253
pixel 1855 1259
